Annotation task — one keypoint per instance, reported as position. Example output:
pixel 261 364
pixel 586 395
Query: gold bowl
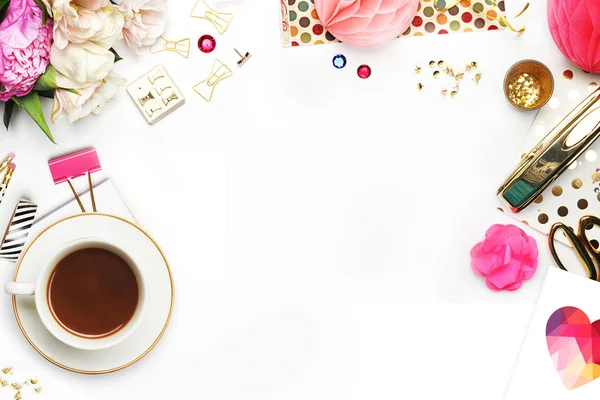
pixel 528 85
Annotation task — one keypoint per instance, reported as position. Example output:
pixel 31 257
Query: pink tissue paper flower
pixel 575 28
pixel 506 257
pixel 366 23
pixel 24 48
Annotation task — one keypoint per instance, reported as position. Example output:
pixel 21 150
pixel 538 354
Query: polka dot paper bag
pixel 300 23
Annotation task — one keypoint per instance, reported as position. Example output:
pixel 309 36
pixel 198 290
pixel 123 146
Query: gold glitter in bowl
pixel 528 85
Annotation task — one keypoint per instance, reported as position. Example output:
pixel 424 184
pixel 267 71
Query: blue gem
pixel 339 61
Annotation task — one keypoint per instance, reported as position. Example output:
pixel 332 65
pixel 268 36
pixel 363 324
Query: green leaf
pixel 3 8
pixel 74 91
pixel 45 14
pixel 32 106
pixel 49 94
pixel 9 106
pixel 117 56
pixel 47 80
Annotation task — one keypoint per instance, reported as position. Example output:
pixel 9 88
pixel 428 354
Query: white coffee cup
pixel 39 290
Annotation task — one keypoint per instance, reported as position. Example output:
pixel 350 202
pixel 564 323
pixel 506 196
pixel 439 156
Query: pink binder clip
pixel 75 165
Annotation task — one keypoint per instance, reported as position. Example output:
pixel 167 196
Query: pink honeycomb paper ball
pixel 366 23
pixel 575 28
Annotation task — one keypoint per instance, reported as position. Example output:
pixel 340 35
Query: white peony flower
pixel 145 21
pixel 80 21
pixel 82 63
pixel 92 97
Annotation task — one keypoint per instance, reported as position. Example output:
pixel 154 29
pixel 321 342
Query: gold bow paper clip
pixel 219 72
pixel 181 47
pixel 220 20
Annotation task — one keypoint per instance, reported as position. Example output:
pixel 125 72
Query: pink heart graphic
pixel 574 346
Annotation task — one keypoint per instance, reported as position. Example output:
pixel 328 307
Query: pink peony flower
pixel 506 257
pixel 366 23
pixel 24 48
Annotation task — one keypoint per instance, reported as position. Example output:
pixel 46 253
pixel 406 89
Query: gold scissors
pixel 588 255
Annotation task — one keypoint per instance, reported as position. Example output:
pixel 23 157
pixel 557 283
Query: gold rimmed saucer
pixel 142 248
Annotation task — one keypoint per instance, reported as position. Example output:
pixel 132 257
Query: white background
pixel 318 225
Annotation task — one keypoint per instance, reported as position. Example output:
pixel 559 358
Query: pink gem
pixel 207 43
pixel 364 71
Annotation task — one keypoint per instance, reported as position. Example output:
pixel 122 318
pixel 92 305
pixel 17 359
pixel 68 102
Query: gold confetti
pixel 473 64
pixel 453 93
pixel 441 64
pixel 418 69
pixel 444 92
pixel 37 389
pixel 431 64
pixel 6 371
pixel 477 77
pixel 436 74
pixel 420 86
pixel 15 386
pixel 449 71
pixel 18 396
pixel 468 67
pixel 459 76
pixel 3 383
pixel 33 381
pixel 524 90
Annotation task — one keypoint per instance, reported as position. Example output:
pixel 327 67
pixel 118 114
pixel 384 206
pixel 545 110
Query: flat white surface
pixel 318 225
pixel 535 375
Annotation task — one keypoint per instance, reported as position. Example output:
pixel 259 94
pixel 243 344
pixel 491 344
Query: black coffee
pixel 93 293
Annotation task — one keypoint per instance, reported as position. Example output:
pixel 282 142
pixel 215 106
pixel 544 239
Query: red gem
pixel 364 71
pixel 207 43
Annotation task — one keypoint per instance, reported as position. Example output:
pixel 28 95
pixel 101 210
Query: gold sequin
pixel 454 93
pixel 582 204
pixel 524 90
pixel 436 74
pixel 417 69
pixel 444 92
pixel 441 64
pixel 562 211
pixel 557 191
pixel 577 183
pixel 431 64
pixel 420 86
pixel 473 64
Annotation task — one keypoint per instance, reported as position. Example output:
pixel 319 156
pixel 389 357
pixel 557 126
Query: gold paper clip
pixel 219 72
pixel 220 20
pixel 552 155
pixel 181 47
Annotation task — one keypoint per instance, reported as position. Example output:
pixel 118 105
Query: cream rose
pixel 145 21
pixel 80 21
pixel 82 63
pixel 92 97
